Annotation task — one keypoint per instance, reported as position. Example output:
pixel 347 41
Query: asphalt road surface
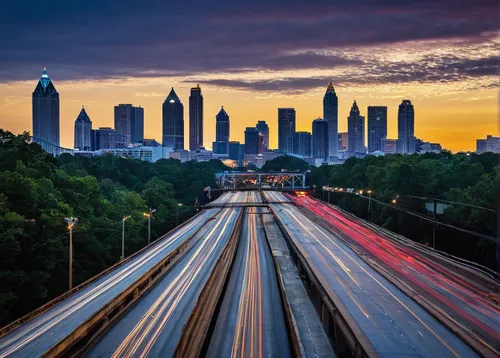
pixel 40 334
pixel 438 281
pixel 392 322
pixel 251 321
pixel 154 325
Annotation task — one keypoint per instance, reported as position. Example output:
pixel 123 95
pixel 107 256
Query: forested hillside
pixel 37 191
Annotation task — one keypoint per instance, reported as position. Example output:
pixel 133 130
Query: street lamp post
pixel 151 211
pixel 123 236
pixel 71 222
pixel 177 220
pixel 369 200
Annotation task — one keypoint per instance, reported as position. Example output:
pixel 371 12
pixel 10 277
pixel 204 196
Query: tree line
pixel 468 178
pixel 37 191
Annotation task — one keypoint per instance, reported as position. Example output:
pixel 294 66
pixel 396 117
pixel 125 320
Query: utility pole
pixel 71 222
pixel 329 191
pixel 123 236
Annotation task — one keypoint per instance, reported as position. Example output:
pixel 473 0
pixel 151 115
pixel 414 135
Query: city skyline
pixel 448 72
pixel 129 126
pixel 237 136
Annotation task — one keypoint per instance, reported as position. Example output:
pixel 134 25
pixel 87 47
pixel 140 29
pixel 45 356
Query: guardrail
pixel 464 333
pixel 80 338
pixel 196 330
pixel 87 333
pixel 35 313
pixel 332 313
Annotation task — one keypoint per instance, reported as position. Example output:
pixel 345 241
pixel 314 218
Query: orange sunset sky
pixel 255 57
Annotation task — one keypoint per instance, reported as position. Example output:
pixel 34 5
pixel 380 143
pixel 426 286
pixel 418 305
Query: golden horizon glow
pixel 454 121
pixel 453 109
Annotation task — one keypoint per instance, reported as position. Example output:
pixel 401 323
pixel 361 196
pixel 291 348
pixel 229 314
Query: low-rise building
pixel 490 144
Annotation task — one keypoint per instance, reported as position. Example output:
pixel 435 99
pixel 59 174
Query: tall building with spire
pixel 222 128
pixel 263 128
pixel 356 131
pixel 173 122
pixel 331 116
pixel 83 129
pixel 406 128
pixel 286 129
pixel 45 116
pixel 195 118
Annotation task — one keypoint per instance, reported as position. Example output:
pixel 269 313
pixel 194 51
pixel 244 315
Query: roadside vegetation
pixel 38 191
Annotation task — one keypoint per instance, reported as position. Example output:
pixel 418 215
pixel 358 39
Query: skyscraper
pixel 263 128
pixel 173 122
pixel 45 102
pixel 261 143
pixel 302 144
pixel 235 150
pixel 195 119
pixel 377 127
pixel 320 139
pixel 219 147
pixel 83 129
pixel 137 125
pixel 222 126
pixel 129 125
pixel 331 116
pixel 356 130
pixel 343 141
pixel 406 128
pixel 286 129
pixel 251 140
pixel 123 125
pixel 105 138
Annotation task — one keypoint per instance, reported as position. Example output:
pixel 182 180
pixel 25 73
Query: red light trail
pixel 465 301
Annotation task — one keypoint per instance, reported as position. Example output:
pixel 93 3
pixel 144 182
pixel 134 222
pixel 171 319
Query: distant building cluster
pixel 490 144
pixel 323 145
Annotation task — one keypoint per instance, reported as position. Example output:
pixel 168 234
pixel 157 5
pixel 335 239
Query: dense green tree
pixel 288 163
pixel 472 179
pixel 37 191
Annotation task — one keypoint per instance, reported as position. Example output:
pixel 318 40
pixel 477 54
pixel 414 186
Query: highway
pixel 391 322
pixel 251 321
pixel 464 300
pixel 276 197
pixel 154 325
pixel 40 334
pixel 237 197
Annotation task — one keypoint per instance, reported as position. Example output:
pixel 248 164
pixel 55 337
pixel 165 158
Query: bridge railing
pixel 101 319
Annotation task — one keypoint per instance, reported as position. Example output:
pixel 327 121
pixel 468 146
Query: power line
pixel 483 236
pixel 421 216
pixel 449 202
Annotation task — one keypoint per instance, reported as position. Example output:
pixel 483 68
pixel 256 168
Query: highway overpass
pixel 267 273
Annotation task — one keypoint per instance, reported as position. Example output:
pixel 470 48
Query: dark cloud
pixel 449 69
pixel 110 39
